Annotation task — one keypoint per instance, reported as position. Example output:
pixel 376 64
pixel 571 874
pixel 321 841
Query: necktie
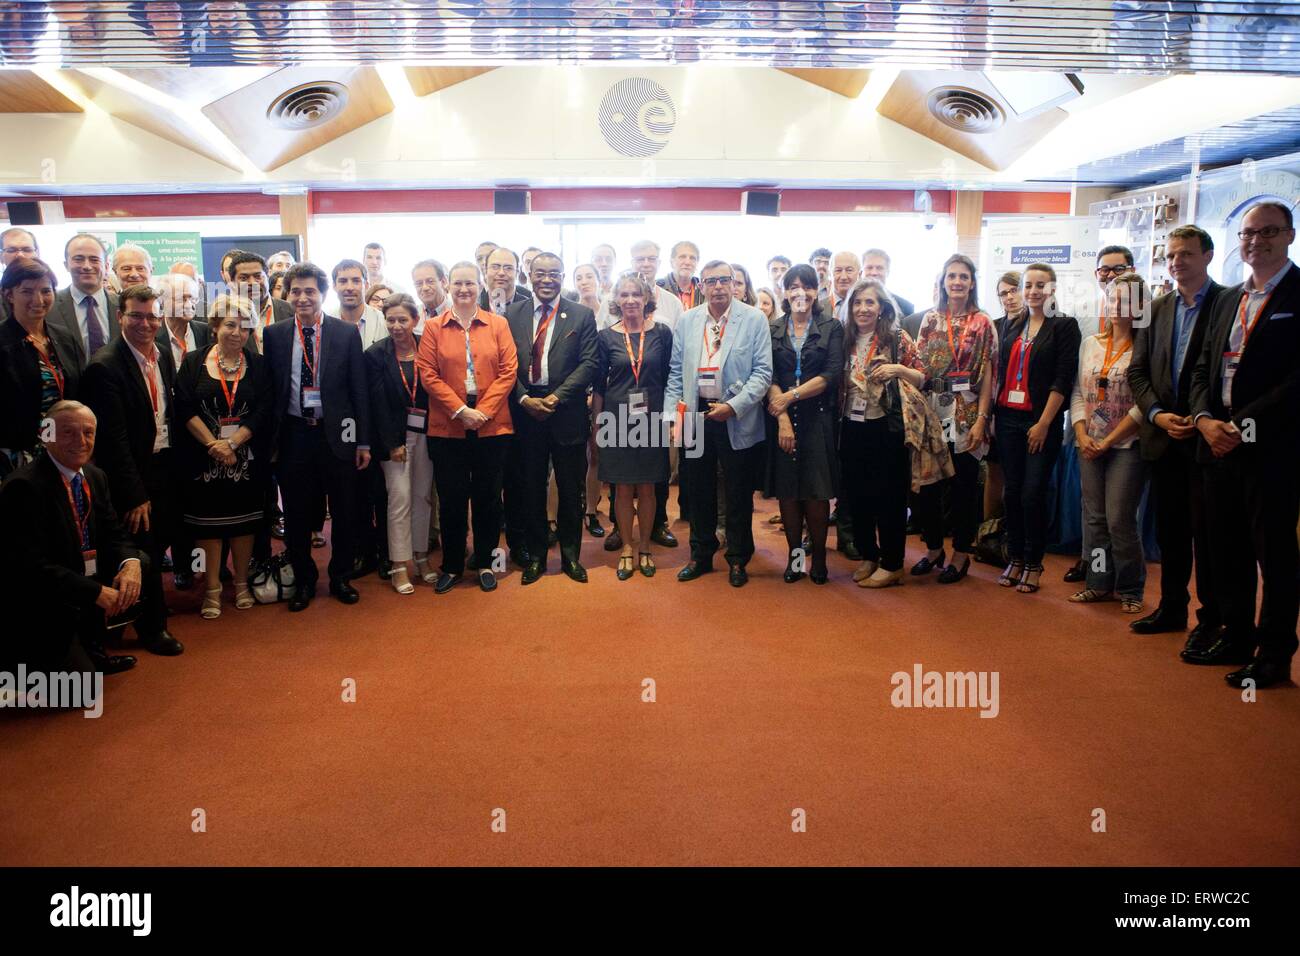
pixel 94 331
pixel 539 344
pixel 83 507
pixel 308 360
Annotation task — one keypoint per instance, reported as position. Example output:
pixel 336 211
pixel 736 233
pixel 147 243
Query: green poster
pixel 166 248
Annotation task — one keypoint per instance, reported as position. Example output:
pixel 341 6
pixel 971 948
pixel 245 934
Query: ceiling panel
pixel 22 91
pixel 1126 35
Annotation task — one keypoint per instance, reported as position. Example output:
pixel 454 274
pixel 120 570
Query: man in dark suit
pixel 1245 397
pixel 15 243
pixel 249 277
pixel 65 557
pixel 556 342
pixel 128 385
pixel 85 309
pixel 1165 354
pixel 500 290
pixel 322 411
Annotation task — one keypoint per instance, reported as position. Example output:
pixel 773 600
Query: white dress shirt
pixel 101 305
pixel 554 306
pixel 161 439
pixel 181 346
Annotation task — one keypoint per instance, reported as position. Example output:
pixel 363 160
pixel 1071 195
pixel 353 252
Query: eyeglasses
pixel 717 280
pixel 1112 270
pixel 500 267
pixel 19 251
pixel 549 274
pixel 1268 232
pixel 142 316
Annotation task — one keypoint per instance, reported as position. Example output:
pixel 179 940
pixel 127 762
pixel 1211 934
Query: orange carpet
pixel 769 699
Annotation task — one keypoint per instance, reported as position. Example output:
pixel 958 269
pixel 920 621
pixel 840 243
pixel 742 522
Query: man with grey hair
pixel 645 261
pixel 180 331
pixel 132 265
pixel 875 265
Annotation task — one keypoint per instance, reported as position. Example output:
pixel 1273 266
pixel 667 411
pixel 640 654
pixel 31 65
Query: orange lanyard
pixel 875 340
pixel 230 393
pixel 150 370
pixel 1241 316
pixel 45 360
pixel 951 345
pixel 636 360
pixel 405 384
pixel 1103 380
pixel 83 524
pixel 312 364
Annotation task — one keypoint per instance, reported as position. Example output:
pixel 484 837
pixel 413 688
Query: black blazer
pixel 1266 389
pixel 823 354
pixel 345 394
pixel 571 365
pixel 202 335
pixel 20 382
pixel 64 316
pixel 1053 365
pixel 484 302
pixel 43 584
pixel 1149 375
pixel 115 390
pixel 389 398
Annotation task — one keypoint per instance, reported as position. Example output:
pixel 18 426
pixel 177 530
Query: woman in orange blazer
pixel 467 362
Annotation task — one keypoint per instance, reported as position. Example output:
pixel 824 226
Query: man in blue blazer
pixel 721 369
pixel 322 413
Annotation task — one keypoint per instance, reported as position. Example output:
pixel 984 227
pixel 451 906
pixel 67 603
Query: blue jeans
pixel 1112 545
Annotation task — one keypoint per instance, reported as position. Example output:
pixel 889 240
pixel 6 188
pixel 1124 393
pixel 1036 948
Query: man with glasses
pixel 15 243
pixel 720 370
pixel 1245 398
pixel 500 289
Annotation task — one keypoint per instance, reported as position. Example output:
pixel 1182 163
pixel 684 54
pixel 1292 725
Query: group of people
pixel 133 427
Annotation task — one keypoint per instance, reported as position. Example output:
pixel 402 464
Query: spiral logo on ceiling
pixel 636 117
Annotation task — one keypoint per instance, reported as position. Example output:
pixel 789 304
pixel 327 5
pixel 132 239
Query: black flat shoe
pixel 661 535
pixel 182 580
pixel 1079 572
pixel 693 570
pixel 1265 673
pixel 532 573
pixel 445 582
pixel 163 644
pixel 574 571
pixel 791 575
pixel 614 542
pixel 1159 622
pixel 302 598
pixel 950 574
pixel 646 564
pixel 625 567
pixel 521 558
pixel 737 577
pixel 819 577
pixel 345 592
pixel 487 581
pixel 850 551
pixel 594 527
pixel 926 564
pixel 114 663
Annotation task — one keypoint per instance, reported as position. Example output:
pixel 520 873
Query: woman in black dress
pixel 807 363
pixel 628 406
pixel 222 411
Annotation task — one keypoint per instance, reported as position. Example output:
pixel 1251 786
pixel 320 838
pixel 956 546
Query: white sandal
pixel 401 583
pixel 211 609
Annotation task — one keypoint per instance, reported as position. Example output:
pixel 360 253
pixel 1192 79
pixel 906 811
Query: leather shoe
pixel 113 663
pixel 615 541
pixel 445 582
pixel 575 571
pixel 163 644
pixel 182 580
pixel 693 570
pixel 1264 672
pixel 1159 622
pixel 738 577
pixel 487 581
pixel 594 527
pixel 471 562
pixel 344 592
pixel 277 529
pixel 363 566
pixel 1202 636
pixel 1226 649
pixel 520 557
pixel 1079 572
pixel 532 573
pixel 301 599
pixel 661 535
pixel 928 564
pixel 849 549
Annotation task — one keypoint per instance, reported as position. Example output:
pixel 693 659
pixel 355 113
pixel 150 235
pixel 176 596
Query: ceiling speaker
pixel 965 109
pixel 35 213
pixel 760 204
pixel 308 105
pixel 512 202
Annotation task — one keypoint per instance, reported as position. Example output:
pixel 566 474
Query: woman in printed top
pixel 1037 365
pixel 876 470
pixel 1106 422
pixel 958 349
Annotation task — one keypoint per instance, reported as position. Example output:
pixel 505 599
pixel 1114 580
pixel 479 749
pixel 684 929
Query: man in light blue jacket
pixel 721 369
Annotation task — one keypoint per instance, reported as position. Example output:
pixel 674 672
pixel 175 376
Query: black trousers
pixel 1025 480
pixel 964 502
pixel 159 480
pixel 308 471
pixel 740 475
pixel 537 452
pixel 372 506
pixel 464 470
pixel 1252 506
pixel 876 475
pixel 1178 486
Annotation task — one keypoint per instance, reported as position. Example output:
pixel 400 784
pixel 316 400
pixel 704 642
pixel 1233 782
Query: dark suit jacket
pixel 20 382
pixel 1149 373
pixel 521 295
pixel 571 365
pixel 1053 365
pixel 5 313
pixel 1266 390
pixel 43 583
pixel 202 335
pixel 115 390
pixel 389 398
pixel 345 394
pixel 64 316
pixel 281 311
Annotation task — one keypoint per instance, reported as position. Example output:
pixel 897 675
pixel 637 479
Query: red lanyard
pixel 150 369
pixel 1241 316
pixel 83 536
pixel 45 360
pixel 230 393
pixel 636 360
pixel 320 348
pixel 722 331
pixel 964 336
pixel 407 385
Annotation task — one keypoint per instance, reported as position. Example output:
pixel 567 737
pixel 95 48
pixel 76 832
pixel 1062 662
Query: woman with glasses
pixel 1036 371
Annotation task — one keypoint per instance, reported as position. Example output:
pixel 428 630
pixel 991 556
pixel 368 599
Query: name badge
pixel 415 419
pixel 1230 362
pixel 637 404
pixel 858 410
pixel 88 557
pixel 1016 398
pixel 311 397
pixel 707 382
pixel 959 381
pixel 161 435
pixel 228 427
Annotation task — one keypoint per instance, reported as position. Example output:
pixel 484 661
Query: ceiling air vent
pixel 311 104
pixel 965 110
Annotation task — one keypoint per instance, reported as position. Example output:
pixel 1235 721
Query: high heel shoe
pixel 819 577
pixel 928 564
pixel 950 574
pixel 1010 577
pixel 791 575
pixel 1027 586
pixel 211 609
pixel 401 583
pixel 427 575
pixel 243 597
